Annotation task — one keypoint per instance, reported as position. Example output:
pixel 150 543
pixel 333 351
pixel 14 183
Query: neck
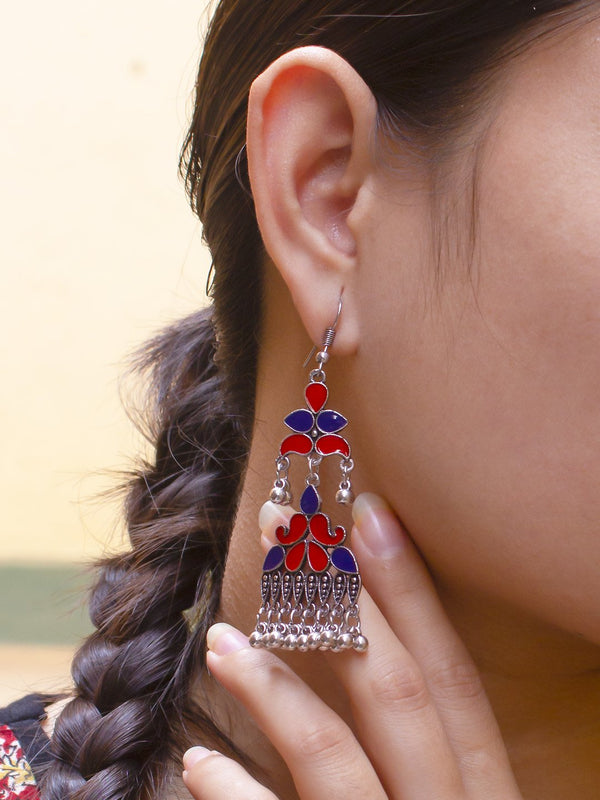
pixel 544 687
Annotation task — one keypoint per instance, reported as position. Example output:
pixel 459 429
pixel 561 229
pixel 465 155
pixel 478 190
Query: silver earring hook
pixel 328 336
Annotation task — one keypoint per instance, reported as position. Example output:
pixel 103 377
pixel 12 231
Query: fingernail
pixel 379 529
pixel 194 755
pixel 271 515
pixel 223 639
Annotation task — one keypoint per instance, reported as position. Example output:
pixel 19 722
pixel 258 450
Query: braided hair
pixel 132 675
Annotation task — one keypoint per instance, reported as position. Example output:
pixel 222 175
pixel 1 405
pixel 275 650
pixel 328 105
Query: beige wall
pixel 98 246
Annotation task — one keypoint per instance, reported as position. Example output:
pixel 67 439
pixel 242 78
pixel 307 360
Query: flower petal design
pixel 297 529
pixel 296 443
pixel 316 396
pixel 321 531
pixel 318 559
pixel 310 501
pixel 331 421
pixel 300 420
pixel 274 558
pixel 343 559
pixel 295 557
pixel 331 444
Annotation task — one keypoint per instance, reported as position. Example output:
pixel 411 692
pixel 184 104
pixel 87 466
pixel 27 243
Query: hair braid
pixel 132 675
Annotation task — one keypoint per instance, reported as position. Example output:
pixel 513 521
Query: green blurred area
pixel 43 604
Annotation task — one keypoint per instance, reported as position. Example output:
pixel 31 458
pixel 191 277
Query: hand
pixel 423 727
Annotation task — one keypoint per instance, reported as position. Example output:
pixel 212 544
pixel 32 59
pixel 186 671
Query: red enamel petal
pixel 319 527
pixel 331 443
pixel 295 558
pixel 296 443
pixel 316 396
pixel 281 533
pixel 318 559
pixel 340 534
pixel 296 531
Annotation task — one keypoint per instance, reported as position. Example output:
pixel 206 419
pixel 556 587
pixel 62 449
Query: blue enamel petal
pixel 331 421
pixel 274 558
pixel 343 559
pixel 310 501
pixel 300 420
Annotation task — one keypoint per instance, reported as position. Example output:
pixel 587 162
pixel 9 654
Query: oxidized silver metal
pixel 311 582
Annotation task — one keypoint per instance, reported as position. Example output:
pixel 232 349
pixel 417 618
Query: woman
pixel 432 164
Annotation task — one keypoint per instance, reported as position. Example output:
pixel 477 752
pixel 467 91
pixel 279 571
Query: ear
pixel 311 120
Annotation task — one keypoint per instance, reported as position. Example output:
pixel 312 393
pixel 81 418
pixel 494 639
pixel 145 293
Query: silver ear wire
pixel 328 337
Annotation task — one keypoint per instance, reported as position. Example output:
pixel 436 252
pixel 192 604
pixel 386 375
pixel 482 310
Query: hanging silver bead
pixel 344 497
pixel 279 495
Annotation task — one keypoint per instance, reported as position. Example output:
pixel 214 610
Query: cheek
pixel 492 460
pixel 482 408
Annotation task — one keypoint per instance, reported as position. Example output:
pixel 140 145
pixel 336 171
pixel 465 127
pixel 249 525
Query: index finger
pixel 405 595
pixel 321 752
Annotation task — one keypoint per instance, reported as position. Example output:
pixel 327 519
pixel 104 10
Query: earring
pixel 311 581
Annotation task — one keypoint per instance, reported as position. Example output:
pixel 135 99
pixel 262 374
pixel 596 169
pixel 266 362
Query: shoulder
pixel 23 747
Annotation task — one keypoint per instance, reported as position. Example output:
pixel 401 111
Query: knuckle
pixel 407 583
pixel 256 665
pixel 401 687
pixel 456 680
pixel 253 674
pixel 245 666
pixel 479 762
pixel 323 741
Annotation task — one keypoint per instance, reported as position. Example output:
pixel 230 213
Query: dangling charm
pixel 311 582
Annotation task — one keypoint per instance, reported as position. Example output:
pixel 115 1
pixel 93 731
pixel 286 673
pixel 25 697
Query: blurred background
pixel 100 250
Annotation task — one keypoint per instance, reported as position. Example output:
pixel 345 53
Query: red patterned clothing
pixel 23 747
pixel 16 777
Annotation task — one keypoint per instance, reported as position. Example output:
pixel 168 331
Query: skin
pixel 470 376
pixel 468 369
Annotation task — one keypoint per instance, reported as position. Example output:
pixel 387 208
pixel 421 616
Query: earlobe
pixel 310 124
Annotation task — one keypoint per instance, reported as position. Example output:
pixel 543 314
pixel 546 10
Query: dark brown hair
pixel 426 62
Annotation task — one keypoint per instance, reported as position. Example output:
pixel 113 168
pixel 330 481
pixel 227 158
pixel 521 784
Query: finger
pixel 398 723
pixel 482 760
pixel 211 776
pixel 320 750
pixel 404 592
pixel 396 718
